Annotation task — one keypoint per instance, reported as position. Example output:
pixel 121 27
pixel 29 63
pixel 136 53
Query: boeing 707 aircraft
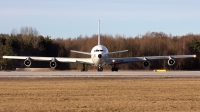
pixel 99 58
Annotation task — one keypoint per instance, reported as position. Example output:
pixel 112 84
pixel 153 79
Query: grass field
pixel 99 94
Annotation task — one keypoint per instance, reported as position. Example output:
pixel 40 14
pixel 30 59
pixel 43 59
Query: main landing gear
pixel 114 68
pixel 100 69
pixel 84 68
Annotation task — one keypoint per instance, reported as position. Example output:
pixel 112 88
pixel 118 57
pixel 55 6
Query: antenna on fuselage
pixel 99 33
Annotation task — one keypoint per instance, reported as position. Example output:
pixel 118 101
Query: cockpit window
pixel 98 50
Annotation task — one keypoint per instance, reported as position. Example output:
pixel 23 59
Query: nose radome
pixel 99 55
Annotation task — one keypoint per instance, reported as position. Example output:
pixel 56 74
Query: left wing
pixel 145 58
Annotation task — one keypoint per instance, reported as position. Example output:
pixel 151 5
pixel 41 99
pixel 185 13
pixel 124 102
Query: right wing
pixel 59 59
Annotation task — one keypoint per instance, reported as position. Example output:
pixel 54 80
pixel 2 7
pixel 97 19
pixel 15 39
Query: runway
pixel 60 74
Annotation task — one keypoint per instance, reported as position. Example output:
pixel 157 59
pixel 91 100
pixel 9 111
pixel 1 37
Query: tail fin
pixel 99 34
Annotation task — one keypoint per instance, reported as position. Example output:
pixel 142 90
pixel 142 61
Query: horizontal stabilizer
pixel 81 52
pixel 117 52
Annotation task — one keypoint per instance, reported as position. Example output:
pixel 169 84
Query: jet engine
pixel 53 64
pixel 27 62
pixel 171 62
pixel 145 64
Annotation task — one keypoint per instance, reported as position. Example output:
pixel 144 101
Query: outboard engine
pixel 53 64
pixel 27 62
pixel 145 64
pixel 171 62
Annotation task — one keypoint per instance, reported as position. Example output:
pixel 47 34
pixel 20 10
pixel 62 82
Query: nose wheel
pixel 100 69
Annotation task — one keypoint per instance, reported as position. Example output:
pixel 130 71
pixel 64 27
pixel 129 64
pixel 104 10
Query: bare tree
pixel 14 32
pixel 29 31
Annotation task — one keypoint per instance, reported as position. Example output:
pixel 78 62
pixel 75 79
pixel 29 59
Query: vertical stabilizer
pixel 99 33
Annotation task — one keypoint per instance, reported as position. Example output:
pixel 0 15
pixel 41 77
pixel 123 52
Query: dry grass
pixel 100 94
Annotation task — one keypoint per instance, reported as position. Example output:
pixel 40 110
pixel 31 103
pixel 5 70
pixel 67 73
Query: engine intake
pixel 171 62
pixel 27 62
pixel 145 64
pixel 53 64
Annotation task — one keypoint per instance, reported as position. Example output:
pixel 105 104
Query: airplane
pixel 99 58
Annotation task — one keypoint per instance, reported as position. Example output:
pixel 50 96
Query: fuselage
pixel 99 55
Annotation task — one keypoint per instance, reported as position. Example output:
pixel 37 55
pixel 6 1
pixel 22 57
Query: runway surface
pixel 57 74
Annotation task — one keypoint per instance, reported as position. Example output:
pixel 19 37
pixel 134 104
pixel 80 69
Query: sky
pixel 72 18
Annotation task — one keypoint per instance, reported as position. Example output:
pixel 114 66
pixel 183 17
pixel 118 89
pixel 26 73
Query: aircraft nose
pixel 99 55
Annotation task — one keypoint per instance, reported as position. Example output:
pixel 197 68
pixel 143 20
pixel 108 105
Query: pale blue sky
pixel 71 18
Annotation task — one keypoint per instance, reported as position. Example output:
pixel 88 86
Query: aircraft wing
pixel 59 59
pixel 137 59
pixel 74 60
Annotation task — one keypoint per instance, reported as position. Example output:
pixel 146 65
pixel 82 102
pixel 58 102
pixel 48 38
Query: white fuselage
pixel 99 55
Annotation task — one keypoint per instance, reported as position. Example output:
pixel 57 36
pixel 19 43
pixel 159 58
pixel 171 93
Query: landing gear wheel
pixel 84 68
pixel 100 69
pixel 114 68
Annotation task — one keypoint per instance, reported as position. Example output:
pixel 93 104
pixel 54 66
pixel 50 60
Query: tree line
pixel 29 43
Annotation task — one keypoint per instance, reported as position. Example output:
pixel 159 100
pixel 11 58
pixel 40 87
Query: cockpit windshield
pixel 98 50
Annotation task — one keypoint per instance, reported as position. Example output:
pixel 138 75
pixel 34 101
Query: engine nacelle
pixel 146 64
pixel 27 62
pixel 53 64
pixel 171 62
